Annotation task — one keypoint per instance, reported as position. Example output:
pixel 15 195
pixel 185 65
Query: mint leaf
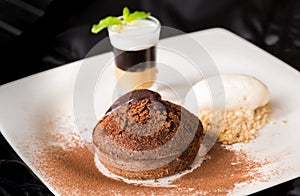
pixel 111 20
pixel 128 17
pixel 126 13
pixel 106 22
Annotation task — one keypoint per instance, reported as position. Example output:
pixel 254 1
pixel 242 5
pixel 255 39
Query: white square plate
pixel 27 104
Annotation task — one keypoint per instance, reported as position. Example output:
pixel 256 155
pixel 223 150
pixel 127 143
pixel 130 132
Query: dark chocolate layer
pixel 135 60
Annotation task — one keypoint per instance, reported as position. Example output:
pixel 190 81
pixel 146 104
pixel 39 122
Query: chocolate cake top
pixel 133 97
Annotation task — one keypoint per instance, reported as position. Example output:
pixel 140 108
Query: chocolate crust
pixel 142 136
pixel 136 128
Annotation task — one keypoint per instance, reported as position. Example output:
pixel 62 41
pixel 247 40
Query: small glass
pixel 134 48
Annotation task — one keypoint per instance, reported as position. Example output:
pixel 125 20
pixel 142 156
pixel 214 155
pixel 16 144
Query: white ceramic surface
pixel 28 103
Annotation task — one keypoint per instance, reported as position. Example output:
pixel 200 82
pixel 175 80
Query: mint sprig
pixel 112 20
pixel 128 17
pixel 106 22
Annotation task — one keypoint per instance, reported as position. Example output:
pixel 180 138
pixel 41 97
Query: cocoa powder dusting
pixel 67 165
pixel 71 170
pixel 219 173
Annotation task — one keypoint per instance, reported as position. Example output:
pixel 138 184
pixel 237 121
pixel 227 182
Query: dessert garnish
pixel 126 18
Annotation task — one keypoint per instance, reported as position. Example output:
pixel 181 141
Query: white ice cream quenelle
pixel 233 106
pixel 135 35
pixel 241 92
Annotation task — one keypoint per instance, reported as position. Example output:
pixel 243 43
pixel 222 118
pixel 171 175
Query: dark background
pixel 37 35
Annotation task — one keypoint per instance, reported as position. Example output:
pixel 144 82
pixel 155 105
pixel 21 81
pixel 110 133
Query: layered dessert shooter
pixel 134 47
pixel 247 108
pixel 134 37
pixel 144 137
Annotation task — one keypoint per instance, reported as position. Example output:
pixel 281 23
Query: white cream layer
pixel 136 35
